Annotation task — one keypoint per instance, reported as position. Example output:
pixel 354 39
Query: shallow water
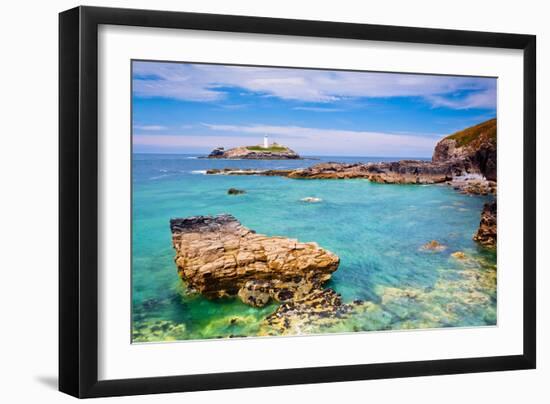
pixel 377 230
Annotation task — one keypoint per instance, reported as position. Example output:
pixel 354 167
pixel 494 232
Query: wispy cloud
pixel 150 127
pixel 484 99
pixel 317 109
pixel 209 83
pixel 233 106
pixel 306 132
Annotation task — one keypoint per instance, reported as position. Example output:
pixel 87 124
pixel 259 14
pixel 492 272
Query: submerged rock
pixel 235 191
pixel 468 292
pixel 486 235
pixel 218 256
pixel 313 312
pixel 433 245
pixel 459 255
pixel 158 330
pixel 311 199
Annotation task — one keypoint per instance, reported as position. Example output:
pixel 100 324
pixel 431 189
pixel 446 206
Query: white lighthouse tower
pixel 266 142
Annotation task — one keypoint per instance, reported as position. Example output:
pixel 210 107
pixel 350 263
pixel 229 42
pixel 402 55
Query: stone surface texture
pixel 486 235
pixel 217 256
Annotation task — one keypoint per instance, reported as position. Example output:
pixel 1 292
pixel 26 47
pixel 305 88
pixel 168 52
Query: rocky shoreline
pixel 465 160
pixel 218 257
pixel 462 177
pixel 486 235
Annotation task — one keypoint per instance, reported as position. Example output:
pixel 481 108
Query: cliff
pixel 273 152
pixel 476 145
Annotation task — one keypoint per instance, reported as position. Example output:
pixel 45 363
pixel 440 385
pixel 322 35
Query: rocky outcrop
pixel 474 185
pixel 235 191
pixel 248 171
pixel 477 146
pixel 218 152
pixel 486 235
pixel 398 172
pixel 313 312
pixel 217 256
pixel 461 175
pixel 273 152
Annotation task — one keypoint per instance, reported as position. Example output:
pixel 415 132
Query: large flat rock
pixel 217 256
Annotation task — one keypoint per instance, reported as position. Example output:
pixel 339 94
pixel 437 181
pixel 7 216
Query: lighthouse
pixel 266 142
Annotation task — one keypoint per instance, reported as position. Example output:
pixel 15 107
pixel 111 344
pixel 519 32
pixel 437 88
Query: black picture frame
pixel 78 200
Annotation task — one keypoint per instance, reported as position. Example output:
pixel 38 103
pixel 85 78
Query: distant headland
pixel 465 160
pixel 265 151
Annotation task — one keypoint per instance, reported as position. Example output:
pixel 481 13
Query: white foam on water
pixel 158 177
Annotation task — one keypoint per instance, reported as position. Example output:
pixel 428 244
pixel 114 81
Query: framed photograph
pixel 251 201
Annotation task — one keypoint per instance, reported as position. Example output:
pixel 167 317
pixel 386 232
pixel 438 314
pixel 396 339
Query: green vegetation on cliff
pixel 272 148
pixel 486 130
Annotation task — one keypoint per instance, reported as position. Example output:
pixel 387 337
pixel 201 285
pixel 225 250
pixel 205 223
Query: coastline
pixel 283 213
pixel 287 282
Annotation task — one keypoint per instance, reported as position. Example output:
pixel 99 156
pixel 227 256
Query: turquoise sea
pixel 377 230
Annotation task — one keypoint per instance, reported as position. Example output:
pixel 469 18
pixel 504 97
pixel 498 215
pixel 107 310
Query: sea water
pixel 377 230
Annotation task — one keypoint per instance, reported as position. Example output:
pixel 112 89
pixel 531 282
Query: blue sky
pixel 193 108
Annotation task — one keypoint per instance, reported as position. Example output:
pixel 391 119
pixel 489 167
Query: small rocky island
pixel 273 151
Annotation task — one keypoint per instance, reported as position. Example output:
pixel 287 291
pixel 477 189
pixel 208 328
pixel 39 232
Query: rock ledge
pixel 217 256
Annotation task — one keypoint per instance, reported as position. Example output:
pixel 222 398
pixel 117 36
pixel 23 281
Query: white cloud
pixel 207 82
